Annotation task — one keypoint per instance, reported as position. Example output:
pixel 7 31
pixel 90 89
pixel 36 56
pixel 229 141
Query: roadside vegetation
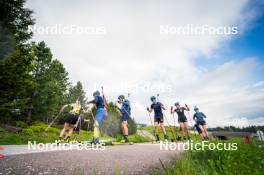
pixel 247 159
pixel 36 132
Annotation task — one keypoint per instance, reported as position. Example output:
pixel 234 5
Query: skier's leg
pixel 99 117
pixel 182 129
pixel 155 128
pixel 205 131
pixel 96 134
pixel 65 128
pixel 68 135
pixel 186 129
pixel 163 130
pixel 125 129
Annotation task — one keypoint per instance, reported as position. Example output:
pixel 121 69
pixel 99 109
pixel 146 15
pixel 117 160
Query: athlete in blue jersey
pixel 199 118
pixel 99 115
pixel 125 111
pixel 157 107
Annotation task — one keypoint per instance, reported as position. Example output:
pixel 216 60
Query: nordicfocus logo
pixel 64 146
pixel 191 29
pixel 59 29
pixel 204 145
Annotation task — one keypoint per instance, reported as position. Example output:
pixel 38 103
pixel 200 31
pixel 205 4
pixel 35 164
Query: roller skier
pixel 199 118
pixel 157 107
pixel 100 115
pixel 123 105
pixel 71 121
pixel 182 119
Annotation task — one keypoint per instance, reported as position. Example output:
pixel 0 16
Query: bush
pixel 2 129
pixel 132 127
pixel 21 124
pixel 111 125
pixel 28 131
pixel 53 130
pixel 38 127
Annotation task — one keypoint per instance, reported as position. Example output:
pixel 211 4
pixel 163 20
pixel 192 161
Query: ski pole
pixel 53 121
pixel 189 116
pixel 105 103
pixel 176 132
pixel 128 96
pixel 153 127
pixel 172 132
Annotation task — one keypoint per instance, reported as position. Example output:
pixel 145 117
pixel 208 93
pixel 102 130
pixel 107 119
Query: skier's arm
pixel 162 106
pixel 172 111
pixel 194 116
pixel 124 109
pixel 187 107
pixel 149 109
pixel 204 115
pixel 63 107
pixel 117 105
pixel 93 101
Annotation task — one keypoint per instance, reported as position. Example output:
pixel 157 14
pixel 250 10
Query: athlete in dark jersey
pixel 158 116
pixel 182 119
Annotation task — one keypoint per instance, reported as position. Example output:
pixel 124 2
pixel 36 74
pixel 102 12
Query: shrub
pixel 53 130
pixel 21 124
pixel 28 131
pixel 132 127
pixel 2 129
pixel 38 127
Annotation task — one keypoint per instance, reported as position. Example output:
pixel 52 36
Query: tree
pixel 75 92
pixel 14 22
pixel 15 83
pixel 50 84
pixel 15 58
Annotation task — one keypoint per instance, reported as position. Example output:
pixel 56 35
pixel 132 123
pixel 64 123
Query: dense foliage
pixel 247 159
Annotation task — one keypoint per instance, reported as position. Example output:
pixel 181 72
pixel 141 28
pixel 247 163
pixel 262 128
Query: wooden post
pixel 246 140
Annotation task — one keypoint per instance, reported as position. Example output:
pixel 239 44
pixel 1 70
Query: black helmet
pixel 121 97
pixel 96 93
pixel 152 98
pixel 177 103
pixel 196 108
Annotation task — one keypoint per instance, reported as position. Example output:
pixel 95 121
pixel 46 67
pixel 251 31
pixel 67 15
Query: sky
pixel 145 48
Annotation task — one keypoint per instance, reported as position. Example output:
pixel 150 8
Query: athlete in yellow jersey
pixel 76 108
pixel 72 120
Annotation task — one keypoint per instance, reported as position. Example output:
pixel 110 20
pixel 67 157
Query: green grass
pixel 171 133
pixel 247 159
pixel 36 132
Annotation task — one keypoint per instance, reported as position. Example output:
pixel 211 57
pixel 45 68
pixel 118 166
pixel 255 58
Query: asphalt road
pixel 125 159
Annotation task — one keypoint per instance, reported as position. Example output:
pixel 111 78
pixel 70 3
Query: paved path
pixel 126 159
